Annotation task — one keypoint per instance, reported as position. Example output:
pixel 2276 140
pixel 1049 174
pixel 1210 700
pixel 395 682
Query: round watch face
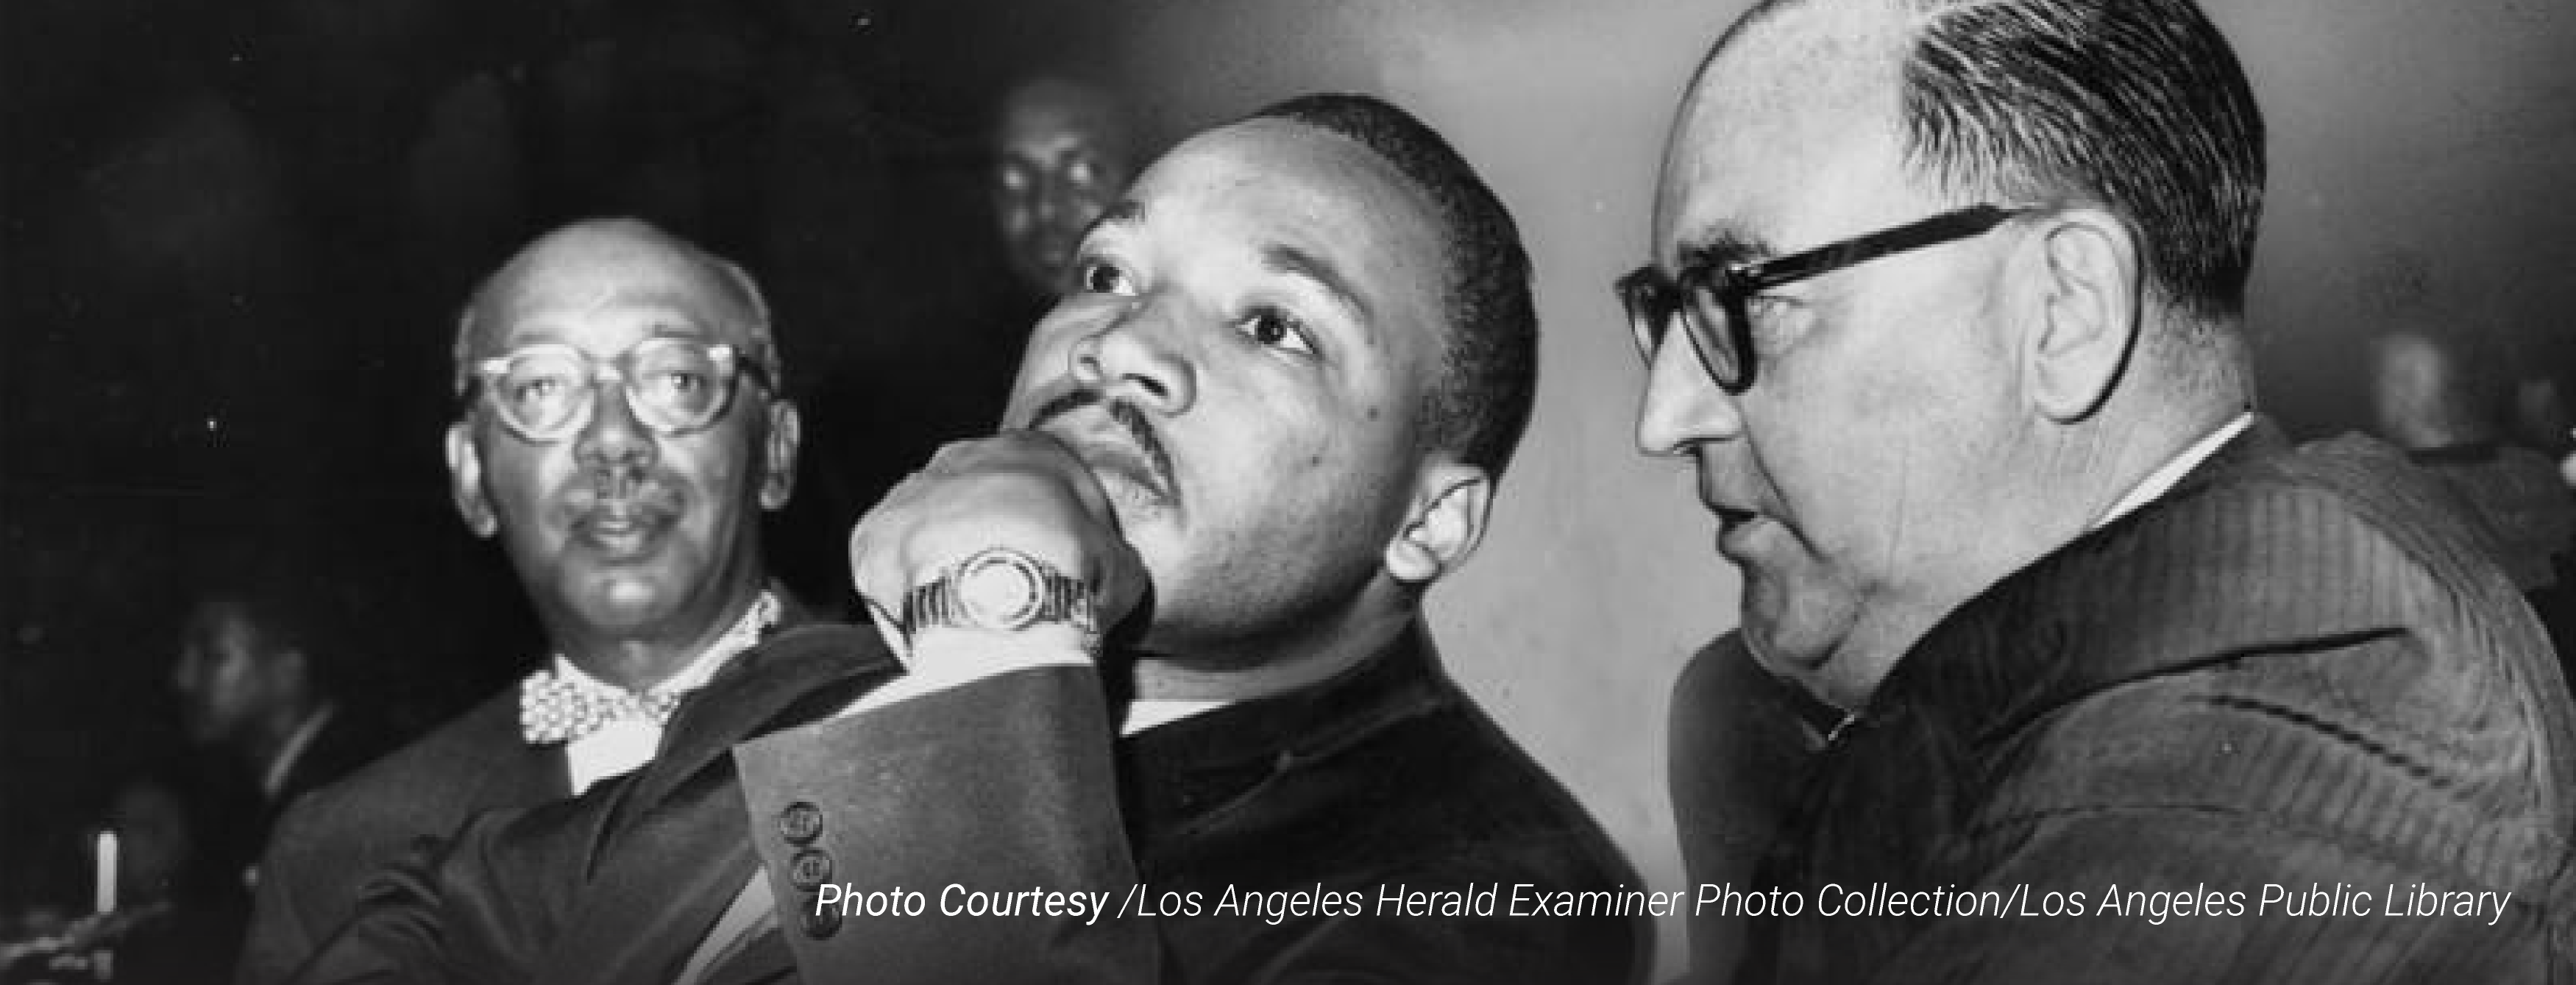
pixel 999 590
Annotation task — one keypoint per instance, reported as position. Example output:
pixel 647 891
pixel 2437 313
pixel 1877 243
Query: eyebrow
pixel 1284 259
pixel 1127 212
pixel 1723 247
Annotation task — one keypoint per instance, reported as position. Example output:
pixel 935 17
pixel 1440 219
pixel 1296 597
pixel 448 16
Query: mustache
pixel 1126 415
pixel 621 488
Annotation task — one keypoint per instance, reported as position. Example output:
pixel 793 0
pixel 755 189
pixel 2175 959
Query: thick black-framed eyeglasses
pixel 1708 297
pixel 546 392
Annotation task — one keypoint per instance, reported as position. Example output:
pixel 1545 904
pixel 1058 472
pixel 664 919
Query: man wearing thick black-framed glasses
pixel 620 431
pixel 1947 304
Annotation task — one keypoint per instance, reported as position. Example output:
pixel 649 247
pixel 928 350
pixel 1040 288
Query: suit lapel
pixel 675 851
pixel 507 771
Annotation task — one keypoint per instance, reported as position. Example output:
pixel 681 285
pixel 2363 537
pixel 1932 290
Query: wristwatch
pixel 1001 589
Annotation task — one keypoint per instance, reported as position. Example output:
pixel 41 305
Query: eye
pixel 1275 328
pixel 1773 321
pixel 1097 276
pixel 535 389
pixel 1082 173
pixel 677 382
pixel 1014 178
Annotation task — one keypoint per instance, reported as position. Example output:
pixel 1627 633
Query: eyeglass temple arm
pixel 1938 229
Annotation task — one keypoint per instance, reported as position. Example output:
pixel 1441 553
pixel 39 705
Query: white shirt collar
pixel 2163 479
pixel 625 744
pixel 274 778
pixel 1151 713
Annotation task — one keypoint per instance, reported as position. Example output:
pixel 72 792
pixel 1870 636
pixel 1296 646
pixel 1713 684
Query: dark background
pixel 233 239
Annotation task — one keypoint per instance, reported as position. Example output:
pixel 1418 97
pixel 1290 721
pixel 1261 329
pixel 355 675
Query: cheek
pixel 719 471
pixel 1045 361
pixel 1012 207
pixel 1842 445
pixel 1256 453
pixel 519 478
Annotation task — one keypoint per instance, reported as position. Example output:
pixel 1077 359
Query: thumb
pixel 1123 583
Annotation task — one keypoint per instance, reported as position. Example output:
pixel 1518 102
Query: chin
pixel 622 600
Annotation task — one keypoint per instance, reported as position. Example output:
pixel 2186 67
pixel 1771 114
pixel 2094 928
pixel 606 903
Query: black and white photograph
pixel 1512 492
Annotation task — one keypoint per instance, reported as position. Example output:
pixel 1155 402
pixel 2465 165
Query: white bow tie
pixel 555 708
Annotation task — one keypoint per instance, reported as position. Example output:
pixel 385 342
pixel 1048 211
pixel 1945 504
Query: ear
pixel 1444 524
pixel 465 481
pixel 2085 309
pixel 778 455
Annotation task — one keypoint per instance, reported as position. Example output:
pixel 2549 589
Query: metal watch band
pixel 1059 598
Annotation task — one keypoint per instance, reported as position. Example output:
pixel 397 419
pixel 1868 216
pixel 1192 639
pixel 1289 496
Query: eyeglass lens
pixel 1654 303
pixel 672 386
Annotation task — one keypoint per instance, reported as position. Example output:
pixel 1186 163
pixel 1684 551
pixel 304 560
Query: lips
pixel 1117 443
pixel 621 517
pixel 1729 517
pixel 1737 526
pixel 1117 460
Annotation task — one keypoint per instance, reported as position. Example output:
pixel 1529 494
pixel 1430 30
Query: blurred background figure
pixel 918 311
pixel 183 845
pixel 259 722
pixel 1062 151
pixel 2443 398
pixel 180 905
pixel 2449 400
pixel 251 682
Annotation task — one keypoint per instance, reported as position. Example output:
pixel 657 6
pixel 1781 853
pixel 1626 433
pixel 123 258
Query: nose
pixel 1682 406
pixel 613 436
pixel 1137 355
pixel 1047 202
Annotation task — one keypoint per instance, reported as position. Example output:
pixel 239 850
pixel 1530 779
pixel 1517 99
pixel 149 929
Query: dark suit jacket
pixel 329 841
pixel 2296 669
pixel 349 740
pixel 1385 777
pixel 1742 741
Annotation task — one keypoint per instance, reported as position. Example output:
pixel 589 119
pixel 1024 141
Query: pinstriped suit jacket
pixel 2297 670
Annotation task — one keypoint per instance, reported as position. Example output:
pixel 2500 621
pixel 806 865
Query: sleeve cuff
pixel 939 658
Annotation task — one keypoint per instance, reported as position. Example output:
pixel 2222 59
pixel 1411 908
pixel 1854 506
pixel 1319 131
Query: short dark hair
pixel 1489 363
pixel 2139 104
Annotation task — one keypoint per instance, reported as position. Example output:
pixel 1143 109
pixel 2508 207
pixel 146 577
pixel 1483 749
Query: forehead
pixel 220 622
pixel 1050 120
pixel 1791 136
pixel 1246 188
pixel 571 284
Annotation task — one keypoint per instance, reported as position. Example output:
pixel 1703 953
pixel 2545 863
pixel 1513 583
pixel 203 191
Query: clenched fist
pixel 1023 490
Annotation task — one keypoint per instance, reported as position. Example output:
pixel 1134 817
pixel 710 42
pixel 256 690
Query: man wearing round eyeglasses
pixel 620 431
pixel 1947 300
